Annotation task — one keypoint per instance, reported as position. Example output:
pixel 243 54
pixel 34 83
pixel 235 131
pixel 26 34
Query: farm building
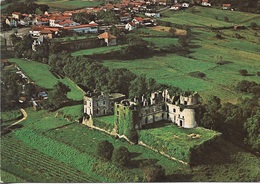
pixel 84 28
pixel 109 39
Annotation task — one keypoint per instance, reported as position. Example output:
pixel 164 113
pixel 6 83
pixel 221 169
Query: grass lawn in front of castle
pixel 105 122
pixel 174 140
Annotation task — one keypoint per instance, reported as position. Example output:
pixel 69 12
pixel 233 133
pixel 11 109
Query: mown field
pixel 69 4
pixel 40 74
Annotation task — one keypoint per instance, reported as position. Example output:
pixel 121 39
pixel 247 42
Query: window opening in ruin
pixel 174 110
pixel 180 122
pixel 104 111
pixel 97 111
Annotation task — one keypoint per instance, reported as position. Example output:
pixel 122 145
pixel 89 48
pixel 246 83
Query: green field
pixel 51 140
pixel 209 17
pixel 40 74
pixel 100 50
pixel 161 42
pixel 206 51
pixel 173 140
pixel 69 4
pixel 105 122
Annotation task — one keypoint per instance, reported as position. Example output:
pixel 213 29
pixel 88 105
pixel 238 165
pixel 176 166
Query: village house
pixel 154 15
pixel 205 3
pixel 84 28
pixel 175 7
pixel 54 20
pixel 11 22
pixel 16 15
pixel 226 7
pixel 138 21
pixel 130 26
pixel 109 39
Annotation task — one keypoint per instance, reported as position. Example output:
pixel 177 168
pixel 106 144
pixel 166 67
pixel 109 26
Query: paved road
pixel 24 118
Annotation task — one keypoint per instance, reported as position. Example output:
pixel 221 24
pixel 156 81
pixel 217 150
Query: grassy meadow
pixel 40 74
pixel 69 4
pixel 209 17
pixel 100 50
pixel 206 50
pixel 173 140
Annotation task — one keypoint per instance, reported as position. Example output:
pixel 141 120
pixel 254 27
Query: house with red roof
pixel 138 21
pixel 205 3
pixel 54 20
pixel 130 26
pixel 226 6
pixel 109 39
pixel 16 15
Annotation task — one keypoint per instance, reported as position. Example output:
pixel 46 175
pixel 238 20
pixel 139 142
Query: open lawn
pixel 40 74
pixel 161 42
pixel 69 4
pixel 173 140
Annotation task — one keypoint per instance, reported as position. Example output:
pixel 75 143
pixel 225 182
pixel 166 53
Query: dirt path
pixel 24 118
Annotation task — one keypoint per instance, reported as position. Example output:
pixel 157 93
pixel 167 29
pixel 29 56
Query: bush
pixel 105 150
pixel 121 156
pixel 153 173
pixel 197 74
pixel 243 72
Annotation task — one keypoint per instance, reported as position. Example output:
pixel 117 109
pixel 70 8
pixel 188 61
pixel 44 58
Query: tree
pixel 243 72
pixel 252 127
pixel 57 97
pixel 153 172
pixel 172 32
pixel 121 156
pixel 105 150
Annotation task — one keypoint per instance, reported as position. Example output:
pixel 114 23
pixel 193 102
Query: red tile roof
pixel 226 5
pixel 106 35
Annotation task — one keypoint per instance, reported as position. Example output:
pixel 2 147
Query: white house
pixel 85 28
pixel 185 5
pixel 130 26
pixel 155 15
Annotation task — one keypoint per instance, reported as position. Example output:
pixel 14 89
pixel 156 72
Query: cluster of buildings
pixel 178 109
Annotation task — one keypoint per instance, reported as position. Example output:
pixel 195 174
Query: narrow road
pixel 24 118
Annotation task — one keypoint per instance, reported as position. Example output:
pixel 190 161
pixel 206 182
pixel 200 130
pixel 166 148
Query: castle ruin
pixel 179 109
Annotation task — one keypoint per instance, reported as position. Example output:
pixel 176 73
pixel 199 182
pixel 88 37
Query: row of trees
pixel 121 157
pixel 239 123
pixel 92 75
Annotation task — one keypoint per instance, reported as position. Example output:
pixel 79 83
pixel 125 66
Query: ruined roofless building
pixel 160 106
pixel 100 104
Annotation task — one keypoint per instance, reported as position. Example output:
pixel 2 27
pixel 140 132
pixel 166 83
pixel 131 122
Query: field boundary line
pixel 162 153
